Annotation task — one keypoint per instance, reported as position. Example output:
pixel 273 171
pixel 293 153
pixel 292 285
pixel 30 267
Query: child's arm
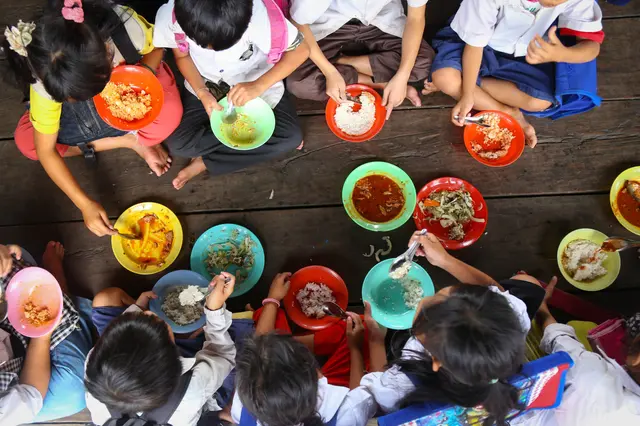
pixel 355 339
pixel 153 59
pixel 540 51
pixel 242 93
pixel 277 291
pixel 396 90
pixel 94 215
pixel 6 259
pixel 336 86
pixel 471 61
pixel 377 349
pixel 192 75
pixel 36 370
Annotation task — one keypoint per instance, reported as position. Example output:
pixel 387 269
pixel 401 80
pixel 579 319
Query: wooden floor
pixel 559 186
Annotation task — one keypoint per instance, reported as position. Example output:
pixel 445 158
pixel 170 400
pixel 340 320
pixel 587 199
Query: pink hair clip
pixel 72 11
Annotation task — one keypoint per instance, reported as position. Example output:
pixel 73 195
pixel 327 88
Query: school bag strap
pixel 123 42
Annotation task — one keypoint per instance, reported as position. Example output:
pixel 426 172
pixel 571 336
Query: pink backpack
pixel 278 11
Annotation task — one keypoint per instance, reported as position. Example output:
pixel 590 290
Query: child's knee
pixel 111 296
pixel 449 80
pixel 536 105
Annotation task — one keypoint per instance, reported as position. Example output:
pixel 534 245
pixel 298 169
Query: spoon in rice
pixel 334 310
pixel 614 244
pixel 398 269
pixel 230 115
pixel 473 120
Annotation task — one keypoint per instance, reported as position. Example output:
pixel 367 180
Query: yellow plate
pixel 131 217
pixel 611 263
pixel 630 174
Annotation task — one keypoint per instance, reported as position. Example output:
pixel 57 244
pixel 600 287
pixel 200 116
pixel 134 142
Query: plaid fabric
pixel 68 323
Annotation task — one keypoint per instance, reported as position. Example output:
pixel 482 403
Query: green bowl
pixel 258 116
pixel 388 170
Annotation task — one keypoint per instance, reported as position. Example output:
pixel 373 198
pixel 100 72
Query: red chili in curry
pixel 378 198
pixel 629 208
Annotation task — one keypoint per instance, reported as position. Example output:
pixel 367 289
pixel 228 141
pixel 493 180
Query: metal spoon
pixel 128 236
pixel 407 256
pixel 230 115
pixel 473 120
pixel 334 310
pixel 614 244
pixel 353 99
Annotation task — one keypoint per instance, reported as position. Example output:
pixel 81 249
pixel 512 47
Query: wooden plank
pixel 522 234
pixel 632 9
pixel 423 143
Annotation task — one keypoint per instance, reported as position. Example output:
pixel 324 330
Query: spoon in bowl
pixel 614 244
pixel 334 310
pixel 404 258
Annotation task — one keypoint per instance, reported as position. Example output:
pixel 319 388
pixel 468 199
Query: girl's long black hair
pixel 71 59
pixel 478 339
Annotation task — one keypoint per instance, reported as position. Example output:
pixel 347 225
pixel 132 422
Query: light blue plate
pixel 386 295
pixel 221 234
pixel 165 285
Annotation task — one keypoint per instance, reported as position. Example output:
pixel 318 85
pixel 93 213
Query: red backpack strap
pixel 277 11
pixel 181 38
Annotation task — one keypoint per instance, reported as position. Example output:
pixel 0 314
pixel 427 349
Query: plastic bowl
pixel 386 295
pixel 221 234
pixel 316 274
pixel 391 171
pixel 473 133
pixel 168 283
pixel 473 230
pixel 259 117
pixel 611 264
pixel 380 117
pixel 128 259
pixel 43 289
pixel 140 79
pixel 632 173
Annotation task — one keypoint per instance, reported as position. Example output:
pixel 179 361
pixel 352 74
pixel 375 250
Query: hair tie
pixel 19 37
pixel 72 11
pixel 493 381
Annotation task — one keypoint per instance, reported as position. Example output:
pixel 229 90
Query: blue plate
pixel 221 234
pixel 386 295
pixel 165 285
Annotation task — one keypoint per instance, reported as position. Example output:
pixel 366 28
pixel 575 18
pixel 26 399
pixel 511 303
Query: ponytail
pixel 501 398
pixel 314 420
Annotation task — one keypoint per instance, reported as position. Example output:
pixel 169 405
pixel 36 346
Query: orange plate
pixel 473 230
pixel 381 114
pixel 473 133
pixel 140 79
pixel 317 274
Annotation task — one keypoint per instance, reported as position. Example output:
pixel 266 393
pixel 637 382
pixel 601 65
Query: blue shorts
pixel 537 81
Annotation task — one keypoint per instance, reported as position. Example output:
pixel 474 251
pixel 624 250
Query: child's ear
pixel 435 364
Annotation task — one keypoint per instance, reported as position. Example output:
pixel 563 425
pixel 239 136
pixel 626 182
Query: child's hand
pixel 209 102
pixel 242 93
pixel 377 332
pixel 144 298
pixel 355 331
pixel 223 286
pixel 279 286
pixel 462 110
pixel 431 248
pixel 394 93
pixel 6 261
pixel 540 51
pixel 96 219
pixel 336 87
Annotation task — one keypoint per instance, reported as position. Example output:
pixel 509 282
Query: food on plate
pixel 401 271
pixel 355 119
pixel 176 311
pixel 155 243
pixel 582 259
pixel 224 256
pixel 455 210
pixel 628 202
pixel 311 298
pixel 35 315
pixel 240 132
pixel 378 198
pixel 497 140
pixel 191 295
pixel 125 103
pixel 413 291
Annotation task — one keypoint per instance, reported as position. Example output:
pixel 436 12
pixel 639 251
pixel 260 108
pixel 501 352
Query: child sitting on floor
pixel 223 43
pixel 277 379
pixel 392 54
pixel 135 369
pixel 61 62
pixel 493 56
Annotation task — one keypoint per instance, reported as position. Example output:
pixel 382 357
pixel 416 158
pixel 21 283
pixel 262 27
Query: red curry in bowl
pixel 378 198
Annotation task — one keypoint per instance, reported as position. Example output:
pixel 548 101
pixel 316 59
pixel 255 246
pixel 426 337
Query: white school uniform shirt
pixel 211 365
pixel 598 392
pixel 325 17
pixel 19 405
pixel 390 387
pixel 352 407
pixel 226 64
pixel 507 26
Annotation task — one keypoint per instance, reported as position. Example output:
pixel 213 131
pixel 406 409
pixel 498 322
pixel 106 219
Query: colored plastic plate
pixel 254 126
pixel 473 133
pixel 380 117
pixel 632 173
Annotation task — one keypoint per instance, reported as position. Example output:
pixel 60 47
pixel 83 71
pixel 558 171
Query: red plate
pixel 473 230
pixel 140 79
pixel 473 133
pixel 381 115
pixel 317 274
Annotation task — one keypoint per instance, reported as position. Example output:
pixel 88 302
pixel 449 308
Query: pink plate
pixel 41 288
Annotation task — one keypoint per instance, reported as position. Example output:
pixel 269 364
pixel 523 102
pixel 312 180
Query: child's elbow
pixel 303 50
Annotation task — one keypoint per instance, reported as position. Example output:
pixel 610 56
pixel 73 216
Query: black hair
pixel 277 381
pixel 216 25
pixel 476 336
pixel 135 365
pixel 70 59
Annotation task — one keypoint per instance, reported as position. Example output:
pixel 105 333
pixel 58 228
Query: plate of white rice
pixel 356 122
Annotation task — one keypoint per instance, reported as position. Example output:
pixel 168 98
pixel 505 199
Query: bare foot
pixel 156 157
pixel 195 167
pixel 429 88
pixel 530 136
pixel 52 262
pixel 413 96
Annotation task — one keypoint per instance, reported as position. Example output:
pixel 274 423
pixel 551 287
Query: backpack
pixel 278 11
